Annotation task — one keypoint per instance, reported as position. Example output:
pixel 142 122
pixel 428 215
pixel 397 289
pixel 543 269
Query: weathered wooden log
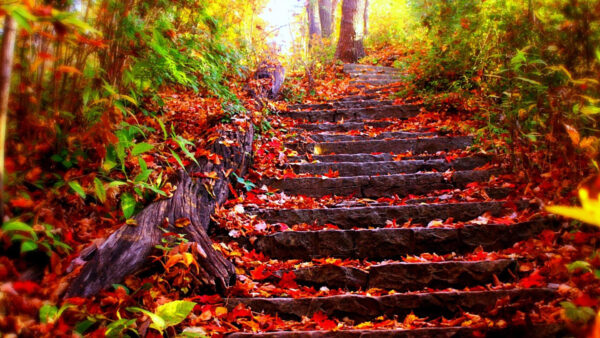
pixel 126 250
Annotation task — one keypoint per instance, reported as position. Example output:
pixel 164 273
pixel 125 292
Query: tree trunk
pixel 126 250
pixel 327 16
pixel 350 46
pixel 6 62
pixel 366 18
pixel 314 22
pixel 531 12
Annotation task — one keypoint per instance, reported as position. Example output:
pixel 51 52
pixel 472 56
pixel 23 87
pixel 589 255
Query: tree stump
pixel 127 249
pixel 271 70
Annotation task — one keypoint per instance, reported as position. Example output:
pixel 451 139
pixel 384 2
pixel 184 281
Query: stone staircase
pixel 373 75
pixel 339 137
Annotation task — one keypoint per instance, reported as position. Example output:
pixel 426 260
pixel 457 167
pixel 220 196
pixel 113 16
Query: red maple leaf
pixel 581 237
pixel 323 321
pixel 27 287
pixel 204 299
pixel 585 300
pixel 289 173
pixel 547 236
pixel 239 311
pixel 259 273
pixel 288 281
pixel 332 174
pixel 451 158
pixel 533 280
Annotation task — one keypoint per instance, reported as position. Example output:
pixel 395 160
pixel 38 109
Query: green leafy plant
pixel 32 239
pixel 248 185
pixel 50 313
pixel 118 328
pixel 578 314
pixel 167 315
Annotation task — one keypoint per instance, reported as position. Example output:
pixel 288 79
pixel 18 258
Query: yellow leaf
pixel 220 311
pixel 590 110
pixel 188 258
pixel 364 325
pixel 588 213
pixel 127 98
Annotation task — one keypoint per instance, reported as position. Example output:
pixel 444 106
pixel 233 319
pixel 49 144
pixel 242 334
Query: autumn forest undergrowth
pixel 112 98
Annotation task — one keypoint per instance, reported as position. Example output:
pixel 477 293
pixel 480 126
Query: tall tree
pixel 327 15
pixel 366 18
pixel 6 63
pixel 350 46
pixel 314 22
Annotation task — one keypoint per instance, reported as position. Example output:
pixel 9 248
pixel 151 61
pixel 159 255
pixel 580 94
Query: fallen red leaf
pixel 533 280
pixel 332 174
pixel 259 273
pixel 27 287
pixel 21 202
pixel 288 281
pixel 585 300
pixel 323 321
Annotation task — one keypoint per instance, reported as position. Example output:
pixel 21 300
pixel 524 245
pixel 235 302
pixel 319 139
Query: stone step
pixel 348 218
pixel 439 275
pixel 391 167
pixel 380 136
pixel 397 146
pixel 356 114
pixel 377 74
pixel 380 76
pixel 358 83
pixel 530 331
pixel 341 127
pixel 407 276
pixel 348 67
pixel 379 91
pixel 340 104
pixel 380 186
pixel 383 157
pixel 358 307
pixel 357 97
pixel 394 243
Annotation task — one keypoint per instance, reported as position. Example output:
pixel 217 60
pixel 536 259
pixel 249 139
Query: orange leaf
pixel 573 134
pixel 21 202
pixel 67 69
pixel 182 222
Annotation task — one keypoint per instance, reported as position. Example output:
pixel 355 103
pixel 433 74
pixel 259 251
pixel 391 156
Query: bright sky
pixel 280 13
